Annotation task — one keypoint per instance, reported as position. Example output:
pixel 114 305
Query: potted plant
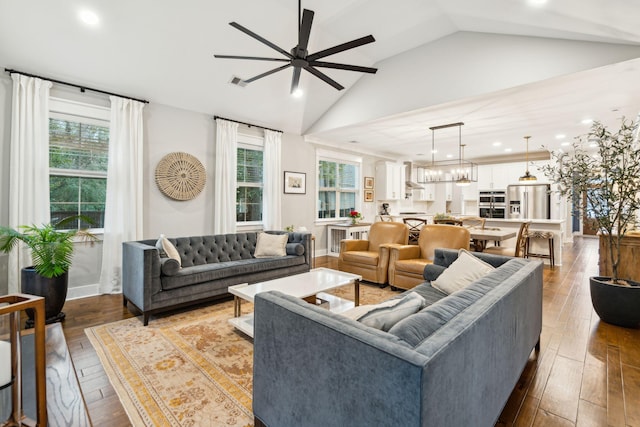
pixel 51 251
pixel 605 184
pixel 355 217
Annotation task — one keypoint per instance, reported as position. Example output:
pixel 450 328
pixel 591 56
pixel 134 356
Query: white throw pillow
pixel 386 314
pixel 164 244
pixel 271 245
pixel 461 273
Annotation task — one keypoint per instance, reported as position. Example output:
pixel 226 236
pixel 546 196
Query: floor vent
pixel 237 81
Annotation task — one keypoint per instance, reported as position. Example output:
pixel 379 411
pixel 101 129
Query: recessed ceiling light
pixel 565 144
pixel 587 121
pixel 497 144
pixel 508 150
pixel 434 151
pixel 593 145
pixel 297 93
pixel 537 2
pixel 449 156
pixel 88 17
pixel 561 136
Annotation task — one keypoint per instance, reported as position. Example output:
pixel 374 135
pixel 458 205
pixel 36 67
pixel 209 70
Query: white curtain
pixel 272 207
pixel 29 163
pixel 123 212
pixel 224 215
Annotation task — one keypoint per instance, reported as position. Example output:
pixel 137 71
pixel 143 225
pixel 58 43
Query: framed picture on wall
pixel 368 182
pixel 295 182
pixel 368 195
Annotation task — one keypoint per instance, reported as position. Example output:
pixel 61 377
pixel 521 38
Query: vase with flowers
pixel 355 217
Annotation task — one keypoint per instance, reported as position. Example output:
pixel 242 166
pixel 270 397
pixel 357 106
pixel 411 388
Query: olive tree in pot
pixel 609 179
pixel 51 252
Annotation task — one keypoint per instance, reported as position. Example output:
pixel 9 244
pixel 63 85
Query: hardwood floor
pixel 586 374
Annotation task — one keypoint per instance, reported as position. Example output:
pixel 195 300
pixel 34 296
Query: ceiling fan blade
pixel 257 58
pixel 341 47
pixel 259 76
pixel 305 31
pixel 296 79
pixel 343 67
pixel 324 77
pixel 260 39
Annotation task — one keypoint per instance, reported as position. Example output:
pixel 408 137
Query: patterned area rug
pixel 190 368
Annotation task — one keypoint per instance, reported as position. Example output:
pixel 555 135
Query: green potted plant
pixel 51 252
pixel 605 184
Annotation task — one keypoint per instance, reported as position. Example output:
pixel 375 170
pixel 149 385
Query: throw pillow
pixel 461 273
pixel 386 314
pixel 165 245
pixel 271 245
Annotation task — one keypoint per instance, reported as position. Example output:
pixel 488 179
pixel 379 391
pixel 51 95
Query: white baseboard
pixel 82 291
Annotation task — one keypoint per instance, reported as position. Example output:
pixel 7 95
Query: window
pixel 249 181
pixel 338 189
pixel 78 154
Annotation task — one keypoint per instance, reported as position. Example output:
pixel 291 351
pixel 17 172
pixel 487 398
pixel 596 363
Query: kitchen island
pixel 556 226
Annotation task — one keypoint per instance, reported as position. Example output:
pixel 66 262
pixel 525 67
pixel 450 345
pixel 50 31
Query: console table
pixel 337 232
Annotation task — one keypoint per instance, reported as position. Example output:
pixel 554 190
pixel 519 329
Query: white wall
pixel 168 130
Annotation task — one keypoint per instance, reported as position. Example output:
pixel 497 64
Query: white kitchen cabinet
pixel 427 194
pixel 390 181
pixel 448 191
pixel 470 192
pixel 499 176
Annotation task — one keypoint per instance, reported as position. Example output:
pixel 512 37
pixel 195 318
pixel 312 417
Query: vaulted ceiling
pixel 506 68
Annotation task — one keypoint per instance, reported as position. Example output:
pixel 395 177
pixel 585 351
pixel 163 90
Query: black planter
pixel 54 291
pixel 615 304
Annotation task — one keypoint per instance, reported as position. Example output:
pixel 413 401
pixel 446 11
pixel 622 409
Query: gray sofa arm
pixel 140 273
pixel 297 237
pixel 307 360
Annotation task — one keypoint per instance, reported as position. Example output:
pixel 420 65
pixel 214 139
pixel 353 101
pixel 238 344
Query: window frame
pixel 256 143
pixel 79 112
pixel 340 158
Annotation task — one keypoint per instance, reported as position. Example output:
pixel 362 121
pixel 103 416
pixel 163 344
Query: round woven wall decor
pixel 180 176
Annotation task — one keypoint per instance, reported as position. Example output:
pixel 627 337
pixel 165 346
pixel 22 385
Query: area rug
pixel 190 368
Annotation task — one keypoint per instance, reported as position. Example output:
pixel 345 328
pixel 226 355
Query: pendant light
pixel 463 180
pixel 460 171
pixel 527 176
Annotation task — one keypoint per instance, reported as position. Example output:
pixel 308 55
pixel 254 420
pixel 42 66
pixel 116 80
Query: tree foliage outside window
pixel 78 155
pixel 249 185
pixel 337 189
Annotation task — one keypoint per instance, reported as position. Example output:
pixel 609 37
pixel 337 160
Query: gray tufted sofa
pixel 210 264
pixel 454 363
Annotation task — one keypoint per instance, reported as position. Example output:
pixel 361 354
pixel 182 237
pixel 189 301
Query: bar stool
pixel 544 235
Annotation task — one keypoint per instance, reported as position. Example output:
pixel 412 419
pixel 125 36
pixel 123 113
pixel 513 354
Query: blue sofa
pixel 454 363
pixel 210 264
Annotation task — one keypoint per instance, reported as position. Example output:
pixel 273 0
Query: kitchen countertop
pixel 533 221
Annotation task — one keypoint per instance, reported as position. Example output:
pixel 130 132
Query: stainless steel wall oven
pixel 492 204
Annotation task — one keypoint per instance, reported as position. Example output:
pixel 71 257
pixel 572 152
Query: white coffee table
pixel 309 286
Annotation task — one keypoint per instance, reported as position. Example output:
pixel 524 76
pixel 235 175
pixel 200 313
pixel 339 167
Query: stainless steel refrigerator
pixel 528 201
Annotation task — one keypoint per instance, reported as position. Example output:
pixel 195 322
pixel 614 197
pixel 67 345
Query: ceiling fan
pixel 299 57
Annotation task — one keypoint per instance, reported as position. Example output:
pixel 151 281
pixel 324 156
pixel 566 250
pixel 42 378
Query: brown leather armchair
pixel 370 258
pixel 407 263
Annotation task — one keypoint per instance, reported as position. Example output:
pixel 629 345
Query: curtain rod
pixel 82 88
pixel 247 124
